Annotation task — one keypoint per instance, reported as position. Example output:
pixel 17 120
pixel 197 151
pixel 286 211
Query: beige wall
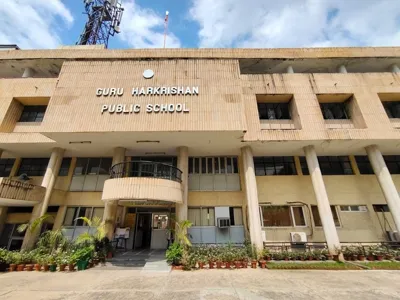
pixel 216 199
pixel 342 190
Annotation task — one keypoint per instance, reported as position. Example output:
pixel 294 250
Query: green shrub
pixel 174 254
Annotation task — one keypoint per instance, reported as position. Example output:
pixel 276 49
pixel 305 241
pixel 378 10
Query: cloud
pixel 33 24
pixel 143 28
pixel 297 23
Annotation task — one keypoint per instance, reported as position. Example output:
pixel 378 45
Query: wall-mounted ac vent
pixel 224 222
pixel 298 237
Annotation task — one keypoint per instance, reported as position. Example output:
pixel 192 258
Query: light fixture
pixel 146 141
pixel 155 153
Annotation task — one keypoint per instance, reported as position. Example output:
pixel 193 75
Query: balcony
pixel 143 181
pixel 17 193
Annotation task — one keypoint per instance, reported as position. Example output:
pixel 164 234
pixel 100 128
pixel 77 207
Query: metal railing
pixel 145 169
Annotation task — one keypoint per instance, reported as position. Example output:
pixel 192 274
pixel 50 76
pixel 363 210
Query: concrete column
pixel 3 217
pixel 110 207
pixel 15 167
pixel 386 182
pixel 252 197
pixel 28 72
pixel 354 165
pixel 48 182
pixel 324 209
pixel 342 69
pixel 394 68
pixel 289 70
pixel 183 165
pixel 58 222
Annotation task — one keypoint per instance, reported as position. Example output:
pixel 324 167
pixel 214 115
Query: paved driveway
pixel 98 284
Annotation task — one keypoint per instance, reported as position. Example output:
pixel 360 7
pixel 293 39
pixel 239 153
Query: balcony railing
pixel 145 169
pixel 17 190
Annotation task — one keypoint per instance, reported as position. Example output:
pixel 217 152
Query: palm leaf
pixel 85 220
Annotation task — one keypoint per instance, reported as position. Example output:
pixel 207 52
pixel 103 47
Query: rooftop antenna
pixel 104 19
pixel 166 26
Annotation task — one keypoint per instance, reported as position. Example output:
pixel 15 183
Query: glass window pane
pixel 93 166
pixel 105 166
pixel 98 212
pixel 235 165
pixel 237 212
pixel 316 217
pixel 194 216
pixel 209 165
pixel 276 216
pixel 70 216
pixel 190 165
pixel 229 168
pixel 203 165
pixel 298 216
pixel 216 165
pixel 222 165
pixel 211 220
pixel 335 216
pixel 81 166
pixel 197 165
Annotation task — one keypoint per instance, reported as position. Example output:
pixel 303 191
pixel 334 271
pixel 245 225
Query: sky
pixel 34 24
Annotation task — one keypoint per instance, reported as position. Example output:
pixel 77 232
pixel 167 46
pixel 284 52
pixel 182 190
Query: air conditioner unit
pixel 394 236
pixel 298 237
pixel 224 222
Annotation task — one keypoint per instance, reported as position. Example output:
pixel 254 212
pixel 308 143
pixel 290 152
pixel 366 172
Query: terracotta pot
pixel 180 268
pixel 310 258
pixel 286 258
pixel 201 265
pixel 336 257
pixel 361 257
pixel 62 267
pixel 389 256
pixel 254 264
pixel 20 267
pixel 302 259
pixel 379 257
pixel 238 264
pixel 263 264
pixel 38 267
pixel 268 258
pixel 109 255
pixel 227 265
pixel 371 257
pixel 46 267
pixel 71 267
pixel 211 264
pixel 29 267
pixel 354 257
pixel 13 267
pixel 219 264
pixel 329 257
pixel 244 264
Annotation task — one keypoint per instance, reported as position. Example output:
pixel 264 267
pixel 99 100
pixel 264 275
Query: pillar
pixel 386 182
pixel 110 207
pixel 342 69
pixel 28 72
pixel 394 68
pixel 183 165
pixel 289 70
pixel 48 182
pixel 3 217
pixel 252 198
pixel 58 222
pixel 324 209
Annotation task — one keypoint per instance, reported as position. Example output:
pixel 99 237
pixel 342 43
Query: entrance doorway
pixel 143 231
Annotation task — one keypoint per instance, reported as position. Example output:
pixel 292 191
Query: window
pixel 304 166
pixel 6 165
pixel 93 166
pixel 33 113
pixel 392 163
pixel 213 165
pixel 73 213
pixel 335 165
pixel 274 165
pixel 33 166
pixel 235 214
pixel 364 165
pixel 66 162
pixel 273 111
pixel 204 216
pixel 336 110
pixel 392 108
pixel 214 174
pixel 357 208
pixel 381 207
pixel 282 216
pixel 317 218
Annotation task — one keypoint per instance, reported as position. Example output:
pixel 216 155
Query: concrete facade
pixel 222 122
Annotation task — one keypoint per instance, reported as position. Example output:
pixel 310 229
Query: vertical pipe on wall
pixel 289 70
pixel 342 69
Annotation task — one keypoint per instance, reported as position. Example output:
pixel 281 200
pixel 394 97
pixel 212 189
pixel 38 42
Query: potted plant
pixel 27 258
pixel 390 254
pixel 3 260
pixel 71 261
pixel 37 260
pixel 52 263
pixel 360 253
pixel 266 254
pixel 379 253
pixel 371 253
pixel 219 259
pixel 326 253
pixel 44 261
pixel 62 261
pixel 317 254
pixel 18 260
pixel 201 261
pixel 11 260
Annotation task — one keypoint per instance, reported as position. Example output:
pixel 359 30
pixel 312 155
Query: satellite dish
pixel 167 13
pixel 117 29
pixel 24 177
